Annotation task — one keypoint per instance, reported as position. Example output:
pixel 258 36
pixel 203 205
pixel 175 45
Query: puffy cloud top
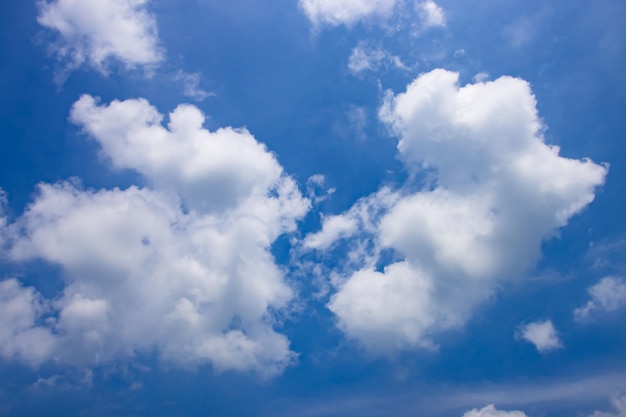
pixel 210 170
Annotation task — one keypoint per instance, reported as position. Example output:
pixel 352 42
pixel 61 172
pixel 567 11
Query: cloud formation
pixel 182 266
pixel 96 32
pixel 542 334
pixel 607 295
pixel 496 192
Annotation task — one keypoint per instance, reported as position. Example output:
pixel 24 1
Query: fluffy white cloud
pixel 96 31
pixel 491 411
pixel 336 12
pixel 607 295
pixel 542 334
pixel 20 337
pixel 497 192
pixel 182 267
pixel 619 404
pixel 432 14
pixel 210 170
pixel 361 217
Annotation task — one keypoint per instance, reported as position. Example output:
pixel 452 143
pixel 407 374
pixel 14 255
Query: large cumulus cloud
pixel 181 266
pixel 496 191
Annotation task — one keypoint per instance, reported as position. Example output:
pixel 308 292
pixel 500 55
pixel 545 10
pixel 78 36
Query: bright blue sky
pixel 372 219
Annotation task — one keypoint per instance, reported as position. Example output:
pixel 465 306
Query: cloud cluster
pixel 497 191
pixel 542 334
pixel 607 295
pixel 181 267
pixel 98 31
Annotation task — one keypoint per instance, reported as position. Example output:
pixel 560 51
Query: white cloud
pixel 607 295
pixel 20 337
pixel 498 191
pixel 542 334
pixel 337 12
pixel 491 411
pixel 364 58
pixel 97 31
pixel 349 12
pixel 334 228
pixel 316 191
pixel 191 85
pixel 432 14
pixel 359 218
pixel 481 77
pixel 372 307
pixel 619 405
pixel 210 170
pixel 182 267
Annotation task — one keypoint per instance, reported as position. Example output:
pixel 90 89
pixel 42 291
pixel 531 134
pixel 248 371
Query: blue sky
pixel 312 208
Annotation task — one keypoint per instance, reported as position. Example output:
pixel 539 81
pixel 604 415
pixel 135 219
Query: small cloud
pixel 316 190
pixel 481 77
pixel 460 52
pixel 346 12
pixel 364 58
pixel 357 118
pixel 491 411
pixel 607 295
pixel 191 85
pixel 432 14
pixel 542 334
